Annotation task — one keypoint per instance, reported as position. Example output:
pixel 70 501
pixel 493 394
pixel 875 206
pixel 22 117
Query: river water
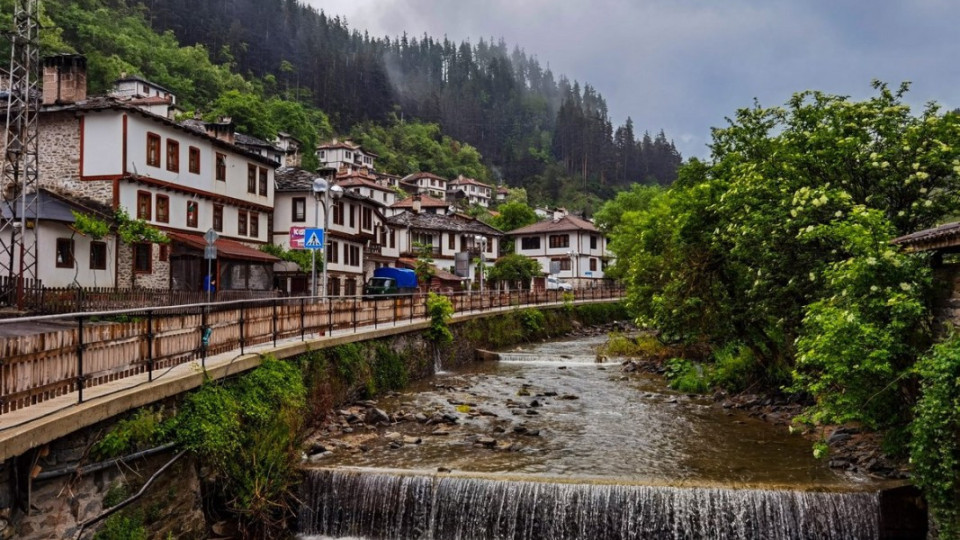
pixel 550 444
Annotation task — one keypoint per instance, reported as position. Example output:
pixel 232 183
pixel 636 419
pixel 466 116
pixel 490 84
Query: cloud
pixel 684 65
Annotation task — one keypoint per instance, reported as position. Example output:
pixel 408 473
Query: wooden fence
pixel 45 357
pixel 34 298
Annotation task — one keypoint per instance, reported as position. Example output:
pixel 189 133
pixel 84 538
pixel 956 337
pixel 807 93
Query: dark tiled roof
pixel 440 222
pixel 463 181
pixel 418 175
pixel 295 179
pixel 566 223
pixel 426 201
pixel 944 236
pixel 52 206
pixel 249 140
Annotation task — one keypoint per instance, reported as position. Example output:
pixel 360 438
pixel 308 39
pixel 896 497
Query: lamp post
pixel 573 266
pixel 482 241
pixel 322 187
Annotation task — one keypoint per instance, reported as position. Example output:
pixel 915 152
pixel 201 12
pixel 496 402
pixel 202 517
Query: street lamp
pixel 573 266
pixel 482 241
pixel 322 186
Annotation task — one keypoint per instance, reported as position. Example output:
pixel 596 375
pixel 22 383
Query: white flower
pixel 906 286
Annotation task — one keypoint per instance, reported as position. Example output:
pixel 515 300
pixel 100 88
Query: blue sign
pixel 313 238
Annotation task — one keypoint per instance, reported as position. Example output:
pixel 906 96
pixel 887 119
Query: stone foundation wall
pixel 159 278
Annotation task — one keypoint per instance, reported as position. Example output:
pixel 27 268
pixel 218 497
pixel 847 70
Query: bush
pixel 389 369
pixel 686 376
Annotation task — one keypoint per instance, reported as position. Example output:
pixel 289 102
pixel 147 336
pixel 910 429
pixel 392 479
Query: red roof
pixel 352 181
pixel 226 248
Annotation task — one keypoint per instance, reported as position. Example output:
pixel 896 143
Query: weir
pixel 395 505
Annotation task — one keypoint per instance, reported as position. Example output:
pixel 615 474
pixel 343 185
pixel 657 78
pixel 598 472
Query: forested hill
pixel 498 99
pixel 273 62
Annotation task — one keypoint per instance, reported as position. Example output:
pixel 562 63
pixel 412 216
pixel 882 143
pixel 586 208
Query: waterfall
pixel 386 505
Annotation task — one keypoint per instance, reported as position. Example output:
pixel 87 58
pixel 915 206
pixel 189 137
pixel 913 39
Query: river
pixel 548 443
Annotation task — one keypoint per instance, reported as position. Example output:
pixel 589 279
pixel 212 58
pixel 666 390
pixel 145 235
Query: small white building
pixel 425 184
pixel 364 183
pixel 344 156
pixel 570 245
pixel 474 192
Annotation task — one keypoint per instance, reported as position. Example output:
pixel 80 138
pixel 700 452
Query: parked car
pixel 553 283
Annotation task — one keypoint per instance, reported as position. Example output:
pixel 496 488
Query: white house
pixel 426 184
pixel 182 179
pixel 358 239
pixel 568 246
pixel 364 183
pixel 344 155
pixel 474 192
pixel 421 204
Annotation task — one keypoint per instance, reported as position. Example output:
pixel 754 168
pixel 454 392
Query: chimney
pixel 222 130
pixel 64 79
pixel 416 204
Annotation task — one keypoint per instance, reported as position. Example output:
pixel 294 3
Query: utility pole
pixel 19 180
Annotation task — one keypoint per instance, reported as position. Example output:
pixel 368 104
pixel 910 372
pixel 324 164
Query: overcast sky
pixel 684 65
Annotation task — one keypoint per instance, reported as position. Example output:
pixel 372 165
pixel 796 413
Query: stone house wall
pixel 59 159
pixel 158 279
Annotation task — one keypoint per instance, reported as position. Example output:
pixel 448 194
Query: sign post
pixel 313 240
pixel 210 253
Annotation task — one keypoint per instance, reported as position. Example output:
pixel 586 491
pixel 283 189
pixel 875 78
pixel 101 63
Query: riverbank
pixel 849 448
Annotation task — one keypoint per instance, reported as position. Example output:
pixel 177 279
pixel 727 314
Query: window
pixel 322 154
pixel 353 255
pixel 530 242
pixel 153 149
pixel 193 209
pixel 254 224
pixel 333 252
pixel 144 205
pixel 299 213
pixel 559 240
pixel 98 256
pixel 564 263
pixel 393 238
pixel 489 245
pixel 452 241
pixel 338 213
pixel 593 265
pixel 64 253
pixel 173 155
pixel 194 160
pixel 350 287
pixel 333 287
pixel 593 242
pixel 143 258
pixel 347 155
pixel 366 218
pixel 263 182
pixel 242 222
pixel 164 252
pixel 163 209
pixel 251 178
pixel 353 216
pixel 221 167
pixel 218 217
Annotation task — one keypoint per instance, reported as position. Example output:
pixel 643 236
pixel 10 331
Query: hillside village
pixel 128 150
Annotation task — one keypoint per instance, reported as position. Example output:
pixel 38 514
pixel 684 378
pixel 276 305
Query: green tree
pixel 514 269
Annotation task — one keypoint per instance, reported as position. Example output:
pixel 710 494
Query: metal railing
pixel 44 357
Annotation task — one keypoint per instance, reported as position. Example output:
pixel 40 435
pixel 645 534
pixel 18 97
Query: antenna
pixel 18 259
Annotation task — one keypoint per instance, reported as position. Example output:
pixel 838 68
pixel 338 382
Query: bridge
pixel 61 373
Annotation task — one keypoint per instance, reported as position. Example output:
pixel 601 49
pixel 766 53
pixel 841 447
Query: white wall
pixel 52 276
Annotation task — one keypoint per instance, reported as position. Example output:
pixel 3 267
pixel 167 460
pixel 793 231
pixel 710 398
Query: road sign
pixel 211 236
pixel 313 238
pixel 296 237
pixel 210 252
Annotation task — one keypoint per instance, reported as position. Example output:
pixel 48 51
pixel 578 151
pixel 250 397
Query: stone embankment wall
pixel 53 507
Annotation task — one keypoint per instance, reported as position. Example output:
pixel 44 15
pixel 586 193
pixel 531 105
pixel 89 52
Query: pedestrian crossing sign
pixel 313 238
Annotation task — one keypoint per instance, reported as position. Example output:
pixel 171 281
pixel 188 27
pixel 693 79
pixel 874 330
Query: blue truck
pixel 388 281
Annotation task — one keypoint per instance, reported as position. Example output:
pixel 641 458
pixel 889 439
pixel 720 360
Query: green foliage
pixel 619 345
pixel 686 376
pixel 532 320
pixel 91 226
pixel 133 231
pixel 122 526
pixel 407 147
pixel 138 431
pixel 116 493
pixel 567 298
pixel 248 432
pixel 389 369
pixel 301 257
pixel 348 361
pixel 935 445
pixel 424 266
pixel 513 215
pixel 440 311
pixel 596 314
pixel 514 269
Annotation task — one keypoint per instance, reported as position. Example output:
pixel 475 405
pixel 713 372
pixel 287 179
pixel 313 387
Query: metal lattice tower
pixel 19 181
